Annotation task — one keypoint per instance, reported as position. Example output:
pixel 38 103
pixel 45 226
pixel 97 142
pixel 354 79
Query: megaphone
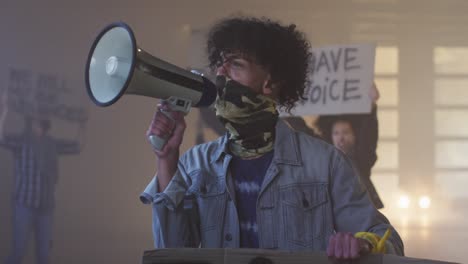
pixel 117 66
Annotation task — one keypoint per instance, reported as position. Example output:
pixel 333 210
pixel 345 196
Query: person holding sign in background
pixel 262 184
pixel 356 135
pixel 35 156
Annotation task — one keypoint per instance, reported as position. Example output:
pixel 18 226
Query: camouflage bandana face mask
pixel 249 117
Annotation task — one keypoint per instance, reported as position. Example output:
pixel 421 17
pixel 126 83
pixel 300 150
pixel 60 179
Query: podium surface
pixel 263 256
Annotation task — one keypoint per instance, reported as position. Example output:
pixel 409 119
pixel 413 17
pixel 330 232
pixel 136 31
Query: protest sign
pixel 42 95
pixel 341 78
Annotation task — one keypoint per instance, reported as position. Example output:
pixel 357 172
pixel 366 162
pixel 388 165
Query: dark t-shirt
pixel 248 177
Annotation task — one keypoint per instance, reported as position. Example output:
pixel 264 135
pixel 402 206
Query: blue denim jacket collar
pixel 286 149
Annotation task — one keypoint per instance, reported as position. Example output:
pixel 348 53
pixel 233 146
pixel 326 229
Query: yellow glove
pixel 377 242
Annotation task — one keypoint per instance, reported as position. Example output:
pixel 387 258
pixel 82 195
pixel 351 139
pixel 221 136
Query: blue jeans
pixel 26 220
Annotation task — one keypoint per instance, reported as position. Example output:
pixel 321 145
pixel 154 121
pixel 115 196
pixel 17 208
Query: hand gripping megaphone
pixel 117 66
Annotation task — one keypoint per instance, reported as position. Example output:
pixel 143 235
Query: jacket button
pixel 228 237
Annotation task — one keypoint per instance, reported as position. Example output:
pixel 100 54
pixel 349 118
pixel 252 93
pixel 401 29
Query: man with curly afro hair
pixel 262 184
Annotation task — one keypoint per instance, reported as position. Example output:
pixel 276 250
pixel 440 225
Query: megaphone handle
pixel 177 104
pixel 157 141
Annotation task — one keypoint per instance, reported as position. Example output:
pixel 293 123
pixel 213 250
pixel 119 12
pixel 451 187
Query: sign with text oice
pixel 341 78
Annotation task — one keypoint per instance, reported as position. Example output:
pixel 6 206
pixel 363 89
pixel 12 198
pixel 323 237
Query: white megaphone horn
pixel 117 66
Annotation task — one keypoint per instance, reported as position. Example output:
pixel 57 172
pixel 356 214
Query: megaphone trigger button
pixel 164 106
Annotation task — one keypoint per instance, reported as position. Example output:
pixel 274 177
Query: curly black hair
pixel 282 50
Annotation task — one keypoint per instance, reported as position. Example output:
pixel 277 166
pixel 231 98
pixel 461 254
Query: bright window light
pixel 404 201
pixel 424 202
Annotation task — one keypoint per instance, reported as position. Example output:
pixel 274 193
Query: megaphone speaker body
pixel 117 66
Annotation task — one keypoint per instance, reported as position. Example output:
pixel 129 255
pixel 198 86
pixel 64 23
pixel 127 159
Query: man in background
pixel 35 155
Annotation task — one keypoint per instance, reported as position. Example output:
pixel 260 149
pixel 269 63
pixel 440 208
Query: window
pixel 386 171
pixel 451 119
pixel 386 78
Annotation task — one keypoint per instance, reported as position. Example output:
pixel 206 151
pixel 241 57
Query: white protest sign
pixel 43 95
pixel 341 78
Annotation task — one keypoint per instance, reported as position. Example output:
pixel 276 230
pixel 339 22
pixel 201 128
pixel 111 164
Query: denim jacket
pixel 309 192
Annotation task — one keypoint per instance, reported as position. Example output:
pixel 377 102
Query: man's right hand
pixel 168 157
pixel 163 126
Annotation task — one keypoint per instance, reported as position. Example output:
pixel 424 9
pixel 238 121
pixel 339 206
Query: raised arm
pixel 7 142
pixel 174 215
pixel 168 157
pixel 367 135
pixel 3 112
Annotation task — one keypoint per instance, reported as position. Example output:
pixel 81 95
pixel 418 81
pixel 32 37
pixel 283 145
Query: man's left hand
pixel 344 246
